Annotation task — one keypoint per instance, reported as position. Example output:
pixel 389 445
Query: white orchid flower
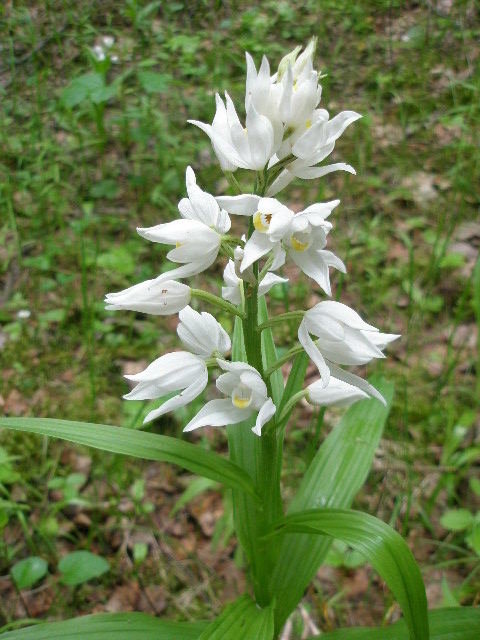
pixel 342 338
pixel 312 144
pixel 247 395
pixel 307 240
pixel 181 370
pixel 271 219
pixel 249 147
pixel 336 392
pixel 159 297
pixel 231 291
pixel 277 228
pixel 198 235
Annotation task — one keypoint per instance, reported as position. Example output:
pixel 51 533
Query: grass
pixel 87 158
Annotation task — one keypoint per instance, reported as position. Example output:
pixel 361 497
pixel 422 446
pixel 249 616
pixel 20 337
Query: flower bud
pixel 160 297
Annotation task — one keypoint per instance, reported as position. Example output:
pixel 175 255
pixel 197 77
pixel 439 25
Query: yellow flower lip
pixel 298 245
pixel 242 397
pixel 261 221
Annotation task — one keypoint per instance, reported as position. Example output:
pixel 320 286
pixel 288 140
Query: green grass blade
pixel 241 619
pixel 134 626
pixel 139 444
pixel 383 547
pixel 334 477
pixel 459 623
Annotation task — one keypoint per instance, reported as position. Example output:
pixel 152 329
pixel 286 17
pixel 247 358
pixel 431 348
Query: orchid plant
pixel 286 136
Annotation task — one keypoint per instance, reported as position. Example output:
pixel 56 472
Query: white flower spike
pixel 182 371
pixel 159 297
pixel 247 395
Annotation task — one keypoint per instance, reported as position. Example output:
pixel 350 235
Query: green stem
pixel 232 181
pixel 219 302
pixel 285 358
pixel 291 402
pixel 265 269
pixel 283 317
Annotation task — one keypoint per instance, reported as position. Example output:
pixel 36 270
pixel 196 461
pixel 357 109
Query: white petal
pixel 257 246
pixel 235 367
pixel 352 379
pixel 319 211
pixel 260 139
pixel 332 260
pixel 201 333
pixel 226 149
pixel 278 257
pixel 232 294
pixel 221 127
pixel 280 183
pixel 242 205
pixel 337 125
pixel 266 412
pixel 381 340
pixel 312 265
pixel 336 392
pixel 172 232
pixel 182 399
pixel 310 173
pixel 217 413
pixel 269 281
pixel 313 352
pixel 340 312
pixel 253 381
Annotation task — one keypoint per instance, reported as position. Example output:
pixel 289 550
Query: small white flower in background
pixel 198 235
pixel 247 394
pixel 181 370
pixel 108 41
pixel 336 392
pixel 159 297
pixel 342 338
pixel 24 314
pixel 249 147
pixel 99 52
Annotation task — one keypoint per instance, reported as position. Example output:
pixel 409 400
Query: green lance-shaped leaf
pixel 269 353
pixel 333 478
pixel 139 444
pixel 383 547
pixel 445 624
pixel 110 626
pixel 241 619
